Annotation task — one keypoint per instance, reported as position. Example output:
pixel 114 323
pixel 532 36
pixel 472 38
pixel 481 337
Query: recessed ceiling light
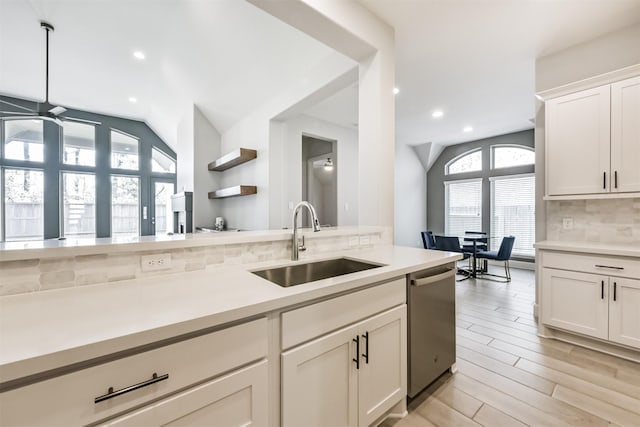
pixel 138 54
pixel 133 100
pixel 396 91
pixel 437 114
pixel 467 129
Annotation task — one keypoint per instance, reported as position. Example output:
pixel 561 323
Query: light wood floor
pixel 507 376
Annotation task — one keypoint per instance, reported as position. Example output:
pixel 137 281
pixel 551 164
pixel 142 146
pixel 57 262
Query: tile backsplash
pixel 599 220
pixel 32 275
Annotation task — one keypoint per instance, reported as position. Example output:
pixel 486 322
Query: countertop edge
pixel 590 248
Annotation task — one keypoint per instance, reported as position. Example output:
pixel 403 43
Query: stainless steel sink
pixel 297 274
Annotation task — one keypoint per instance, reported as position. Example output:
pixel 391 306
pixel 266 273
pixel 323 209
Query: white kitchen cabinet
pixel 576 302
pixel 349 377
pixel 591 294
pixel 577 142
pixel 625 135
pixel 624 311
pixel 237 399
pixel 593 141
pixel 127 383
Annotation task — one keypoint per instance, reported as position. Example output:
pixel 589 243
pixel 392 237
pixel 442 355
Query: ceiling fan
pixel 44 110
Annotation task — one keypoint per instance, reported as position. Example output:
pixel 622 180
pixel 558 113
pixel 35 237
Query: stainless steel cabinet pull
pixel 357 359
pixel 602 289
pixel 433 279
pixel 609 266
pixel 604 180
pixel 366 347
pixel 615 178
pixel 113 393
pixel 615 285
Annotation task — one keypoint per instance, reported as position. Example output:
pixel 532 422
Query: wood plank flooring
pixel 508 376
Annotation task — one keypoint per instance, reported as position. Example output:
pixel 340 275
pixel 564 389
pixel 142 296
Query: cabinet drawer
pixel 314 320
pixel 596 264
pixel 69 399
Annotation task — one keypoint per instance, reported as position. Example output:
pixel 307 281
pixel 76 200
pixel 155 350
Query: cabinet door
pixel 237 399
pixel 625 135
pixel 577 302
pixel 319 382
pixel 624 312
pixel 383 364
pixel 578 143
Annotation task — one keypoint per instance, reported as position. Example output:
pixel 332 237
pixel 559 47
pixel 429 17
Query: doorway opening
pixel 320 179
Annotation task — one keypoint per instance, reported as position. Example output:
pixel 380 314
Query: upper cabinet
pixel 625 135
pixel 593 141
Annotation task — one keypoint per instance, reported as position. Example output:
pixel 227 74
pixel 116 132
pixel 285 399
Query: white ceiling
pixel 475 59
pixel 226 56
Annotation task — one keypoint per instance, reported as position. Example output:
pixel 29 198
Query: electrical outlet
pixel 567 223
pixel 155 262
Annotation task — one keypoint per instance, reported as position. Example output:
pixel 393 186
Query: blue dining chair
pixel 502 254
pixel 427 240
pixel 452 244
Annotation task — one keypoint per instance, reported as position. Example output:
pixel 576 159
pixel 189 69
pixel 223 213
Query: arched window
pixel 506 156
pixel 64 180
pixel 471 161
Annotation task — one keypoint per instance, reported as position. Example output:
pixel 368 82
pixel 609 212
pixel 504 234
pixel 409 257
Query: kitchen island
pixel 240 323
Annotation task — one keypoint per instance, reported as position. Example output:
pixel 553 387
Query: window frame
pixel 3 169
pixel 459 157
pixel 95 207
pixel 139 207
pixel 53 167
pixel 138 152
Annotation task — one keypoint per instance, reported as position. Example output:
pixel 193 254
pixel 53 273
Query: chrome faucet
pixel 295 246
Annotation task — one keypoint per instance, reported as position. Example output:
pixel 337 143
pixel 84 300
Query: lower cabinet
pixel 576 302
pixel 237 399
pixel 624 311
pixel 599 306
pixel 349 377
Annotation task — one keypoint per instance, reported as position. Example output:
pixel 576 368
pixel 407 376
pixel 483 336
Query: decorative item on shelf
pixel 238 190
pixel 328 165
pixel 234 158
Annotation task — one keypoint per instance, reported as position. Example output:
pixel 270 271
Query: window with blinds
pixel 463 206
pixel 513 212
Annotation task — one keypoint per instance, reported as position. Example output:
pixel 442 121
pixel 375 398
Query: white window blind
pixel 463 206
pixel 513 212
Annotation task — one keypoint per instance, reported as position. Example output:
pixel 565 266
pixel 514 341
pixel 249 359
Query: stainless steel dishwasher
pixel 431 296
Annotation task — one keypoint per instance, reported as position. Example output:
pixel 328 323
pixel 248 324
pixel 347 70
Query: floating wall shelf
pixel 238 190
pixel 234 158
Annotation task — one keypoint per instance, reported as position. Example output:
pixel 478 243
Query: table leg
pixel 473 269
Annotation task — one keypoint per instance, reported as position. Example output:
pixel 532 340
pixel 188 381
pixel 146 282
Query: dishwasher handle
pixel 431 279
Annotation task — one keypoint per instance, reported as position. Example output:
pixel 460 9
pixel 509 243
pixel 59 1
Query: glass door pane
pixel 23 204
pixel 162 216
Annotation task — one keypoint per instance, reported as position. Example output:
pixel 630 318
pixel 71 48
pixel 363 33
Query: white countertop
pixel 11 251
pixel 617 249
pixel 52 329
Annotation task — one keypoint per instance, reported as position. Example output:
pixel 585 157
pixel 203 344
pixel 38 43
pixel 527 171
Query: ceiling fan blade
pixel 17 106
pixel 52 119
pixel 19 113
pixel 57 110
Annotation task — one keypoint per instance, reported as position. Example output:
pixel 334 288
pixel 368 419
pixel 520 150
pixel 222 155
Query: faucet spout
pixel 295 248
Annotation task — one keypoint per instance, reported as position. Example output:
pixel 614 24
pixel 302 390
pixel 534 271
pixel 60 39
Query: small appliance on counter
pixel 219 223
pixel 182 207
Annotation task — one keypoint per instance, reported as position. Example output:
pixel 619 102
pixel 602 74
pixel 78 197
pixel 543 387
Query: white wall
pixel 608 53
pixel 411 197
pixel 255 131
pixel 351 29
pixel 198 144
pixel 287 159
pixel 206 141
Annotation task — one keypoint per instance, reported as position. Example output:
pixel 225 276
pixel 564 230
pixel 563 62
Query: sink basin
pixel 297 274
